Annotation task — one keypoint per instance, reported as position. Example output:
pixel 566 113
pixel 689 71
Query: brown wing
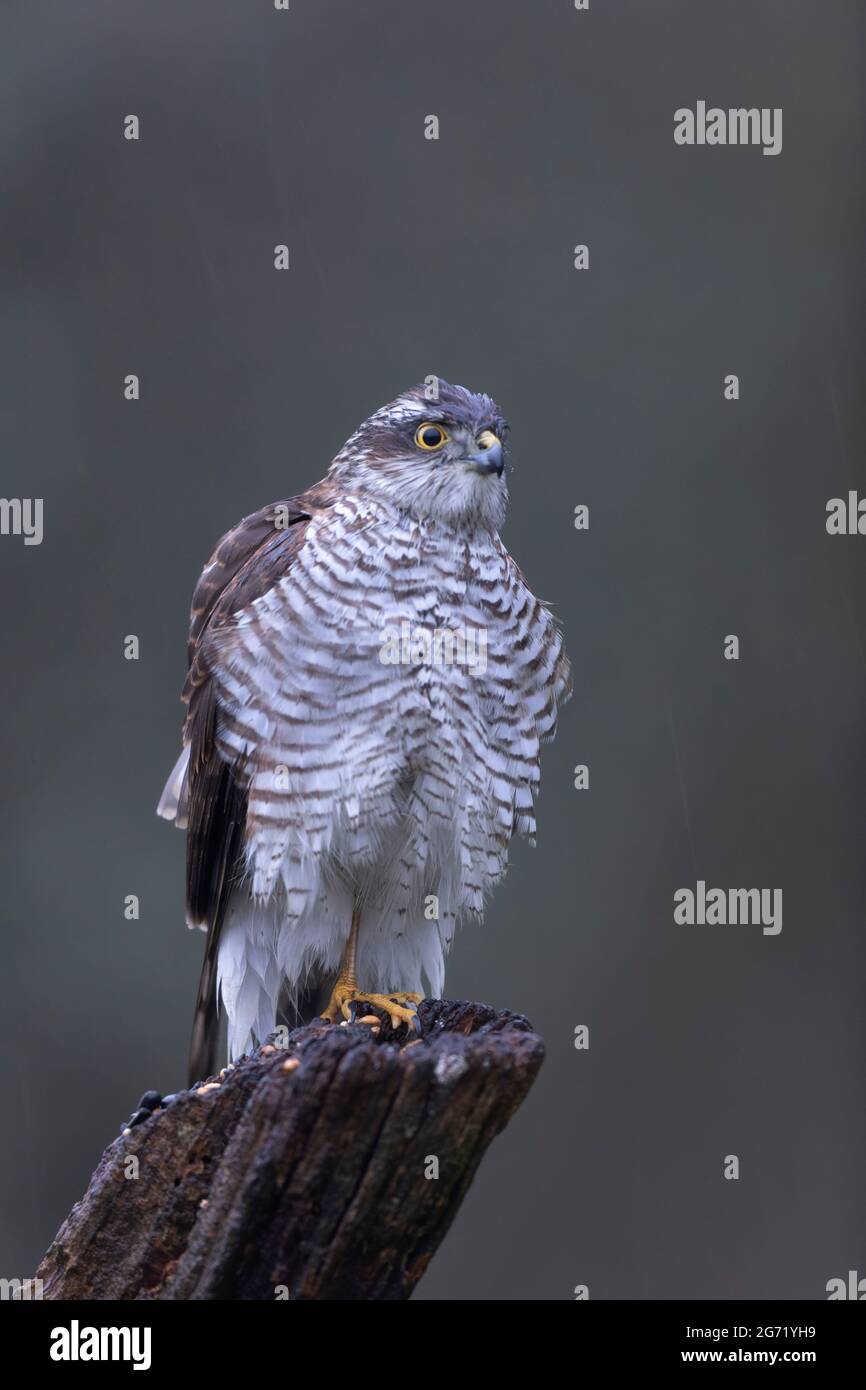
pixel 247 562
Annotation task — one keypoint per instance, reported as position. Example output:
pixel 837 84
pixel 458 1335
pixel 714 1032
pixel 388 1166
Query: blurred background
pixel 707 518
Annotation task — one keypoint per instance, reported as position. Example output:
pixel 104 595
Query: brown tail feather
pixel 215 862
pixel 205 1021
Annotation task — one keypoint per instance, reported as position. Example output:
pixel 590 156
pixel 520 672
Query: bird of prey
pixel 370 678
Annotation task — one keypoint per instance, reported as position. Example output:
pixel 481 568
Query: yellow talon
pixel 394 1003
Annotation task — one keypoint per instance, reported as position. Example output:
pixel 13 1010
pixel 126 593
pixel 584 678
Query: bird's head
pixel 441 459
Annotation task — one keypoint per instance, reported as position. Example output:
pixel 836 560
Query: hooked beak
pixel 488 459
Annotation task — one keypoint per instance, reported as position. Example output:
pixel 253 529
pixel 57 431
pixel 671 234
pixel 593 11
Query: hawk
pixel 370 678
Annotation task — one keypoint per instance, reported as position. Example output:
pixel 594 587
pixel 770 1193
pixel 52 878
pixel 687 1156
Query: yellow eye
pixel 487 439
pixel 429 436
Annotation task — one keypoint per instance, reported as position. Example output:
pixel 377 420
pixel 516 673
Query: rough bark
pixel 303 1173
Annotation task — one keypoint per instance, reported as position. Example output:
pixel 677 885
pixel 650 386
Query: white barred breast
pixel 384 703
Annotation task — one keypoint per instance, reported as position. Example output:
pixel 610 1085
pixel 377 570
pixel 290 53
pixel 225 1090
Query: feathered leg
pixel 346 995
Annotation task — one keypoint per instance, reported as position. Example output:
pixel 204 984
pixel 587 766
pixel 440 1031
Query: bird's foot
pixel 400 1005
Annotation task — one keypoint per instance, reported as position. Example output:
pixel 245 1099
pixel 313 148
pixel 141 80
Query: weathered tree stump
pixel 305 1173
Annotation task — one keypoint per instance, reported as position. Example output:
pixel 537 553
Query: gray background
pixel 707 518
